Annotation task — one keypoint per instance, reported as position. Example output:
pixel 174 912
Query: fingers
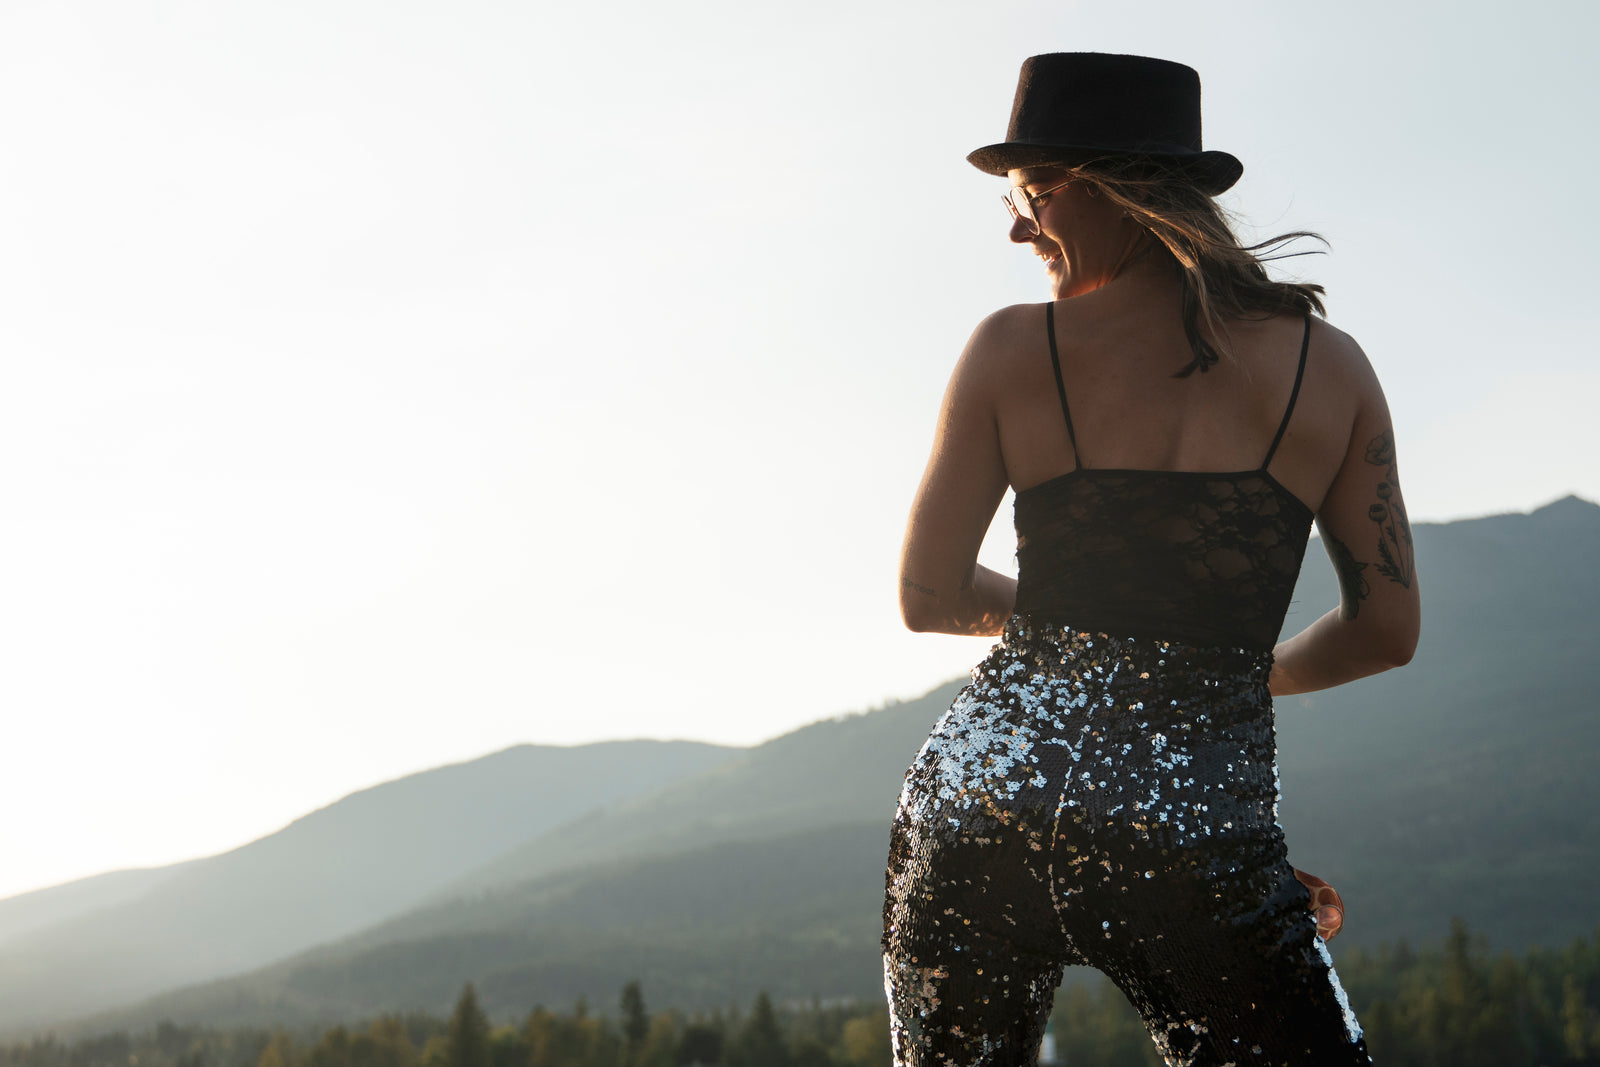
pixel 1326 904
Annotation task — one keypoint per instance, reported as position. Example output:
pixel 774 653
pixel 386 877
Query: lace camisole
pixel 1206 558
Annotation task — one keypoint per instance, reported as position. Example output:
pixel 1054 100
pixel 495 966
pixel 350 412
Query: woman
pixel 1104 792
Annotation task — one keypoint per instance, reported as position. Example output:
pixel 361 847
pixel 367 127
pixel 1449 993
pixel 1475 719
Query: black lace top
pixel 1199 557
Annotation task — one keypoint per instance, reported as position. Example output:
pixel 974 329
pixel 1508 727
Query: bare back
pixel 1129 412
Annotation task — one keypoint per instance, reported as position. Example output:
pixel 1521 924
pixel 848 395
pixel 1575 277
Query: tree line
pixel 1452 1004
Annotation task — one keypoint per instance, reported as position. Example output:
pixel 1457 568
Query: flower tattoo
pixel 1396 559
pixel 1351 583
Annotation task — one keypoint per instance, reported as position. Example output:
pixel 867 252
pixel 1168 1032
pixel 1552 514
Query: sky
pixel 390 382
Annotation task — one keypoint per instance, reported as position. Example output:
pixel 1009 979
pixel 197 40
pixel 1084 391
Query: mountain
pixel 701 928
pixel 1460 785
pixel 42 908
pixel 838 775
pixel 834 771
pixel 92 944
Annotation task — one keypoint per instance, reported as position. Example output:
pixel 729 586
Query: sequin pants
pixel 1112 802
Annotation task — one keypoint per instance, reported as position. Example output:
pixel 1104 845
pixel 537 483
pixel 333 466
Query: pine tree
pixel 701 1043
pixel 661 1044
pixel 635 1023
pixel 865 1041
pixel 760 1042
pixel 1574 1019
pixel 385 1044
pixel 278 1053
pixel 332 1051
pixel 469 1032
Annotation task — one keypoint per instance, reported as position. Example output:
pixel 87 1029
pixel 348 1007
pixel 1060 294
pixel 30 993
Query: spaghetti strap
pixel 1305 343
pixel 1061 388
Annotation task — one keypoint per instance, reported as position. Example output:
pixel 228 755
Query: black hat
pixel 1073 107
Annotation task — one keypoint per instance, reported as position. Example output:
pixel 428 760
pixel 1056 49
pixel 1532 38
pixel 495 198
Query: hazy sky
pixel 387 383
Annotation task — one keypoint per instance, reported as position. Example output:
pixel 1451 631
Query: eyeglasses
pixel 1020 204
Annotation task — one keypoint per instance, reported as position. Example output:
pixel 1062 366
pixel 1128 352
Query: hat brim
pixel 1214 172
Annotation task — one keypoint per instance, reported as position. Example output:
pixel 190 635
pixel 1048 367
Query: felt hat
pixel 1073 107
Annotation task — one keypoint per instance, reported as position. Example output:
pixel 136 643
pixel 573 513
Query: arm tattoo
pixel 1396 560
pixel 1353 587
pixel 907 583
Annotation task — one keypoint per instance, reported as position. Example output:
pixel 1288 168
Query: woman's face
pixel 1082 236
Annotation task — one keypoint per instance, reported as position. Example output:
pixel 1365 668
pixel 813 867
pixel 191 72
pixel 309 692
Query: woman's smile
pixel 1054 262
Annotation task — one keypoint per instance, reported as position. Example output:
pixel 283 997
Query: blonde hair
pixel 1222 279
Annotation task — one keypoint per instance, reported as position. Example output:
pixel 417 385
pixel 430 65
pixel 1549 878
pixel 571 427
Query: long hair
pixel 1222 279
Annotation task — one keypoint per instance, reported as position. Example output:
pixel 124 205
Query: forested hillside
pixel 1452 1004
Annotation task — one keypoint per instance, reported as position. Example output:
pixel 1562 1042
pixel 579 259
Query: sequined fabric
pixel 1107 801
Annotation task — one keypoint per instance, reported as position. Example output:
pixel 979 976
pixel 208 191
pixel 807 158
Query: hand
pixel 1326 904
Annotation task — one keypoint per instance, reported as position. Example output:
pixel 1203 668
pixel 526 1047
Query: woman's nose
pixel 1022 231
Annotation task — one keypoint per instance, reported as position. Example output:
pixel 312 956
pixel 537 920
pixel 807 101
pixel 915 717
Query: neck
pixel 1137 252
pixel 1143 268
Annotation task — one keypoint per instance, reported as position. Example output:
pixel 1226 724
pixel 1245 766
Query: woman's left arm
pixel 943 589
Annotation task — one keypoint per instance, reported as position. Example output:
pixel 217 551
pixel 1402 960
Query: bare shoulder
pixel 1338 397
pixel 1341 378
pixel 1010 326
pixel 1005 340
pixel 1342 360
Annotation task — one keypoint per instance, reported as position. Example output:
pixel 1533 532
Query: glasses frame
pixel 1020 204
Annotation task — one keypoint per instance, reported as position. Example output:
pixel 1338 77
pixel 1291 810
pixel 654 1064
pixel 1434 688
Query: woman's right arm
pixel 1366 534
pixel 943 589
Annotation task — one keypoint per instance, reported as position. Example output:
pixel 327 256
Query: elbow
pixel 920 607
pixel 1372 644
pixel 1403 637
pixel 1400 655
pixel 1394 646
pixel 1402 651
pixel 918 617
pixel 1384 635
